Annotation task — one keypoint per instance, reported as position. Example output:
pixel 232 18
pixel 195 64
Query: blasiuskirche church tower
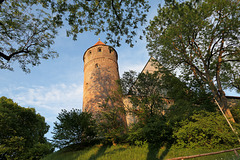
pixel 100 76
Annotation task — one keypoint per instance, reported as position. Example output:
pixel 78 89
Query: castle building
pixel 100 82
pixel 100 76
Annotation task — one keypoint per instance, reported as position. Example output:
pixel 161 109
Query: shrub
pixel 74 127
pixel 205 129
pixel 155 130
pixel 236 112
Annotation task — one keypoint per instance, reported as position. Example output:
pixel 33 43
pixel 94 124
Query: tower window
pixel 90 52
pixel 96 65
pixel 99 49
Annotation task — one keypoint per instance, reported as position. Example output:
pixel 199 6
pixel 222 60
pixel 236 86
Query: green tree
pixel 115 18
pixel 28 28
pixel 112 124
pixel 127 81
pixel 188 96
pixel 147 97
pixel 193 117
pixel 22 132
pixel 145 93
pixel 26 33
pixel 74 127
pixel 111 118
pixel 201 38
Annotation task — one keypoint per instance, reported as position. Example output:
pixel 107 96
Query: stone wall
pixel 232 100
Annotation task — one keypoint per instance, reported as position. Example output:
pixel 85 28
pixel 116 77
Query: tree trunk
pixel 222 100
pixel 220 97
pixel 223 104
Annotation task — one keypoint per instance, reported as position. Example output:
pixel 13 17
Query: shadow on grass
pixel 165 152
pixel 153 150
pixel 100 152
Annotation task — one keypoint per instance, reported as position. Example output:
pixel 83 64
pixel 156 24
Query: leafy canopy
pixel 146 96
pixel 22 132
pixel 115 18
pixel 28 28
pixel 26 33
pixel 189 97
pixel 73 127
pixel 201 38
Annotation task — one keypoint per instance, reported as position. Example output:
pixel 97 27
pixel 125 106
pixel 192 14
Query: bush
pixel 74 127
pixel 236 112
pixel 155 130
pixel 205 129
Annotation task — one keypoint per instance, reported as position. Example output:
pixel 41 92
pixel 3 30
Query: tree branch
pixel 211 52
pixel 118 18
pixel 231 60
pixel 231 54
pixel 1 1
pixel 8 57
pixel 196 71
pixel 218 68
pixel 115 11
pixel 6 32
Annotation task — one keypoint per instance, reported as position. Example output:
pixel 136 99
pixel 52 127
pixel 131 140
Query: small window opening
pixel 90 52
pixel 96 65
pixel 99 49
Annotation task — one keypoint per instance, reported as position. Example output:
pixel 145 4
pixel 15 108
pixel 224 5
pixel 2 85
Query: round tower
pixel 100 76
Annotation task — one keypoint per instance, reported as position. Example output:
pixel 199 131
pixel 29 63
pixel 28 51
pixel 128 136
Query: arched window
pixel 96 65
pixel 99 49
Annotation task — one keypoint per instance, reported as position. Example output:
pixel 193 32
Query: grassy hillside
pixel 126 152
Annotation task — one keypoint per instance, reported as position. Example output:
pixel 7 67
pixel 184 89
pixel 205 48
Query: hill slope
pixel 126 152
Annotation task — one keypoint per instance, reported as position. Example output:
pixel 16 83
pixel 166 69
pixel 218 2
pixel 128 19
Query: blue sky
pixel 58 83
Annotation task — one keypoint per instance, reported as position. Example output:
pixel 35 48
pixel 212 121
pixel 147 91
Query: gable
pixel 150 66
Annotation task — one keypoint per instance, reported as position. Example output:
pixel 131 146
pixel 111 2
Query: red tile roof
pixel 99 43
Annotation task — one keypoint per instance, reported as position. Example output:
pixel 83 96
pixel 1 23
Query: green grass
pixel 126 152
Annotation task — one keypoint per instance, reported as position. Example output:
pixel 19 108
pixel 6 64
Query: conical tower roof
pixel 99 43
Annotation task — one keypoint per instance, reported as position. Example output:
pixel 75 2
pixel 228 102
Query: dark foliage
pixel 73 127
pixel 22 132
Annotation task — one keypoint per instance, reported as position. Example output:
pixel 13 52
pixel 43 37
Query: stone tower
pixel 100 76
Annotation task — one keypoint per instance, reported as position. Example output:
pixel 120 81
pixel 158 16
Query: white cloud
pixel 52 97
pixel 47 100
